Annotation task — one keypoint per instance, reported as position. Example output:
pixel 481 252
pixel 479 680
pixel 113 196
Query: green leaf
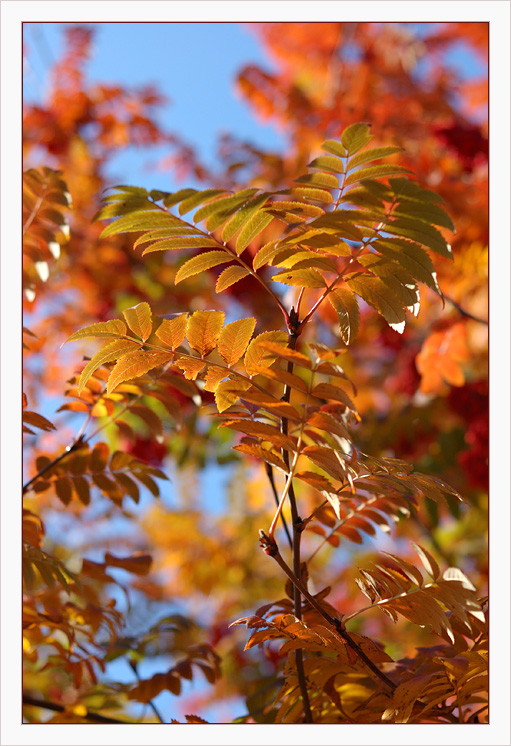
pixel 252 228
pixel 112 351
pixel 346 305
pixel 355 137
pixel 201 263
pixel 373 155
pixel 412 190
pixel 328 163
pixel 307 278
pixel 230 276
pixel 164 233
pixel 397 278
pixel 113 328
pixel 186 242
pixel 375 172
pixel 243 215
pixel 381 298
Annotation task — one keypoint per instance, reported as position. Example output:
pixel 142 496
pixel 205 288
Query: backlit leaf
pixel 252 228
pixel 224 392
pixel 306 278
pixel 355 137
pixel 257 357
pixel 194 200
pixel 113 328
pixel 381 298
pixel 423 233
pixel 186 242
pixel 173 331
pixel 328 391
pixel 373 154
pixel 112 351
pixel 375 172
pixel 134 365
pixel 201 263
pixel 334 147
pixel 234 339
pixel 243 215
pixel 139 319
pixel 345 303
pixel 203 330
pixel 230 276
pixel 328 163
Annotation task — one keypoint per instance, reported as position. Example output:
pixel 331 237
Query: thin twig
pixel 93 717
pixel 463 312
pixel 270 547
pixel 151 704
pixel 269 472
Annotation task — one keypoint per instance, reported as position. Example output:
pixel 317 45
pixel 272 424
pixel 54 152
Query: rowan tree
pixel 265 328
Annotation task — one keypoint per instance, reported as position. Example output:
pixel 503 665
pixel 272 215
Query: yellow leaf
pixel 381 298
pixel 173 331
pixel 139 319
pixel 345 303
pixel 224 393
pixel 190 366
pixel 135 365
pixel 112 351
pixel 203 330
pixel 234 339
pixel 213 377
pixel 229 276
pixel 304 278
pixel 201 263
pixel 113 328
pixel 257 357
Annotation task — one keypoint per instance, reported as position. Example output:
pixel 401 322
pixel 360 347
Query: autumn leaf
pixel 203 331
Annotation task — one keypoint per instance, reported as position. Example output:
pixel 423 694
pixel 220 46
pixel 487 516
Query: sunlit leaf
pixel 257 357
pixel 203 330
pixel 201 263
pixel 234 339
pixel 230 276
pixel 139 319
pixel 112 351
pixel 345 303
pixel 114 328
pixel 134 365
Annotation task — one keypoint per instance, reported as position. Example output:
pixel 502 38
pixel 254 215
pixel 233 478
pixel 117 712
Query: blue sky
pixel 193 64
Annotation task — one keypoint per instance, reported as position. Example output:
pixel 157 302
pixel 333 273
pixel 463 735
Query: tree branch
pixel 92 717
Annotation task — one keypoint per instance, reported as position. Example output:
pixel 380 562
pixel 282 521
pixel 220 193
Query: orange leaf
pixel 138 563
pixel 257 357
pixel 173 331
pixel 234 339
pixel 203 330
pixel 135 365
pixel 140 320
